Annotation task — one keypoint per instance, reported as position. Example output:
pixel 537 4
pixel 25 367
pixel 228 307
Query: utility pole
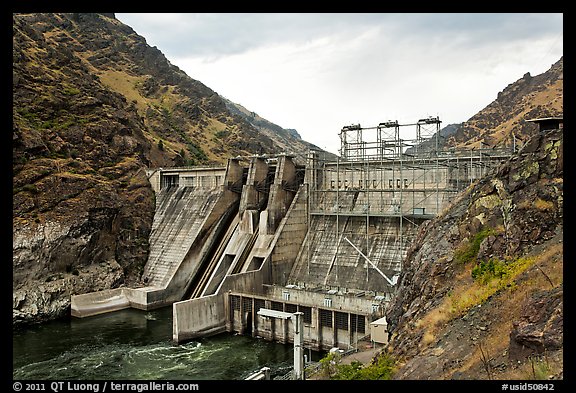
pixel 298 321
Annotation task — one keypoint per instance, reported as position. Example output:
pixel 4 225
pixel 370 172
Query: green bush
pixel 469 251
pixel 540 368
pixel 330 366
pixel 487 270
pixel 70 91
pixel 197 154
pixel 31 188
pixel 503 271
pixel 382 369
pixel 352 371
pixel 222 134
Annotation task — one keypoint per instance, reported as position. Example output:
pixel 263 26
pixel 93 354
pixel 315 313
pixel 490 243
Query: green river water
pixel 137 345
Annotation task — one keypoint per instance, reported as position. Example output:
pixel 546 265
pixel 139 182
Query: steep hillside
pixel 93 106
pixel 481 294
pixel 528 98
pixel 287 140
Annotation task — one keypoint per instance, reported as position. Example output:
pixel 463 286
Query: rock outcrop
pixel 480 296
pixel 93 107
pixel 505 120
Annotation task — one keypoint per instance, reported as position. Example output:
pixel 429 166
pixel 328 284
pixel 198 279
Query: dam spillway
pixel 172 234
pixel 325 237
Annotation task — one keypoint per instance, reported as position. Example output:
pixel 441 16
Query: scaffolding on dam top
pixel 385 174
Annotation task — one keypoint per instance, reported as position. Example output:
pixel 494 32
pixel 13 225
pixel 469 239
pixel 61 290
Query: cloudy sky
pixel 318 72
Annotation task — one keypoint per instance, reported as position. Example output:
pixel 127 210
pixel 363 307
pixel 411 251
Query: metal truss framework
pixel 409 179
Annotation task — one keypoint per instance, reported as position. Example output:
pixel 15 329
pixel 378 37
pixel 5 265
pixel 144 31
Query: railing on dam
pixel 420 184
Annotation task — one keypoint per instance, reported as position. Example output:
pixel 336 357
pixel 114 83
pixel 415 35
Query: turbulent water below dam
pixel 137 345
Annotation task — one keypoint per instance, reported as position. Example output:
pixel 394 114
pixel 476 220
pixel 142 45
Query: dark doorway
pixel 249 323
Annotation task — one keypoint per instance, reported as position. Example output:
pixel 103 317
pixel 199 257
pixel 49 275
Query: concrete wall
pixel 382 178
pixel 406 173
pixel 194 228
pixel 138 297
pixel 250 282
pixel 383 192
pixel 280 198
pixel 251 198
pixel 420 187
pixel 341 324
pixel 327 260
pixel 188 221
pixel 174 271
pixel 199 251
pixel 98 302
pixel 109 300
pixel 154 179
pixel 290 238
pixel 354 302
pixel 277 253
pixel 191 321
pixel 199 317
pixel 380 203
pixel 180 215
pixel 207 177
pixel 235 248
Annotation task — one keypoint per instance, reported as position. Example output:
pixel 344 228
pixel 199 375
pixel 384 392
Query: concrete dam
pixel 325 238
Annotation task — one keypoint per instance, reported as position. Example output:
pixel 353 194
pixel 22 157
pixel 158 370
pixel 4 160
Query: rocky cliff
pixel 285 139
pixel 93 107
pixel 481 293
pixel 507 117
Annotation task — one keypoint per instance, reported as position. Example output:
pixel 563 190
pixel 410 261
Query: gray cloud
pixel 222 34
pixel 361 67
pixel 226 34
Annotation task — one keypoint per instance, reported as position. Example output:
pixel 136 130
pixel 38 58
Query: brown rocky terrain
pixel 507 117
pixel 93 107
pixel 481 294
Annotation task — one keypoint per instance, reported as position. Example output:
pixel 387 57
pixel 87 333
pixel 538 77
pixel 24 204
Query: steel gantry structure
pixel 385 174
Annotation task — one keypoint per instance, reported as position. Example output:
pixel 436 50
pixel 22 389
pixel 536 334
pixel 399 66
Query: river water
pixel 137 345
